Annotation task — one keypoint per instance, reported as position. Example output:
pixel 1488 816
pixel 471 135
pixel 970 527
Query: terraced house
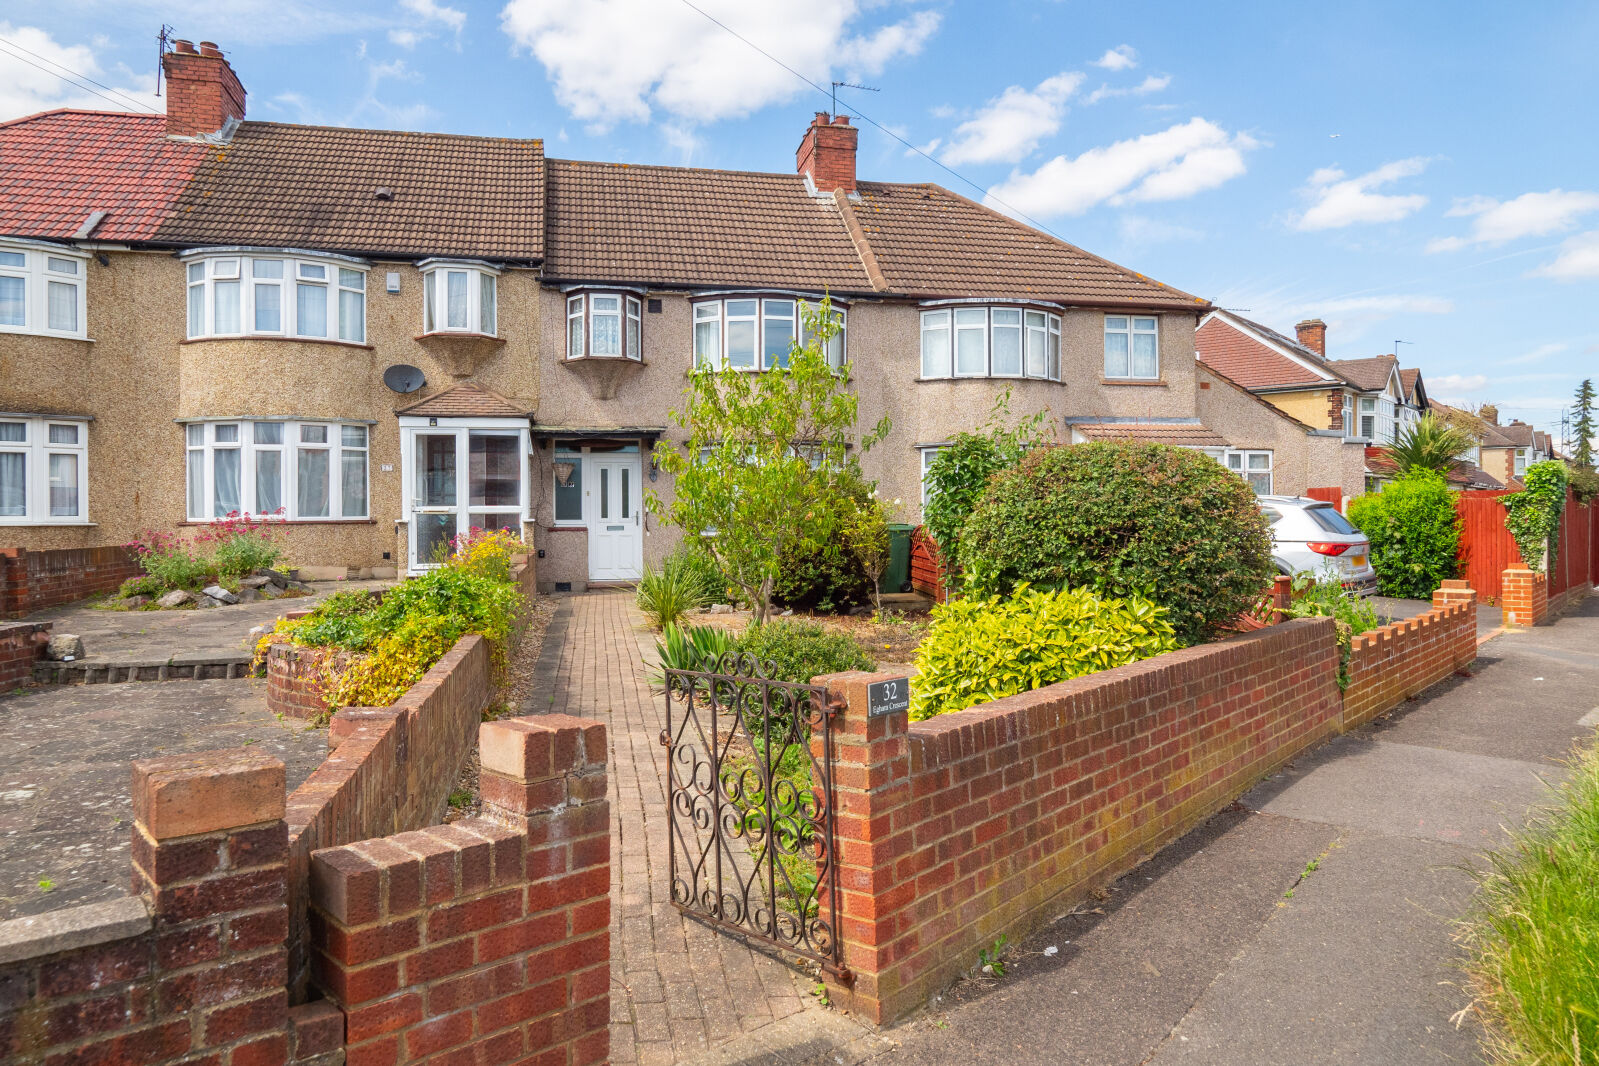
pixel 385 338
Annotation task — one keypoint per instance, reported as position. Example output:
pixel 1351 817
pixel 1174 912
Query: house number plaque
pixel 888 697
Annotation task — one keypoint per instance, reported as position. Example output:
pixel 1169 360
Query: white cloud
pixel 432 11
pixel 404 38
pixel 1151 84
pixel 1533 214
pixel 1578 259
pixel 1458 382
pixel 1122 57
pixel 620 60
pixel 37 82
pixel 1339 200
pixel 1170 165
pixel 1010 125
pixel 1540 353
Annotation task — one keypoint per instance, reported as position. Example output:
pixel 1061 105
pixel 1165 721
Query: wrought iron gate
pixel 750 806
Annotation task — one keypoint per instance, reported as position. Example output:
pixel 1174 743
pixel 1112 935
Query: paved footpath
pixel 1229 948
pixel 680 992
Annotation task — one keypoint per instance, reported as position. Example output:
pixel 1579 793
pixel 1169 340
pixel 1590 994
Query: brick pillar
pixel 875 864
pixel 1524 595
pixel 1282 596
pixel 1464 642
pixel 210 853
pixel 13 582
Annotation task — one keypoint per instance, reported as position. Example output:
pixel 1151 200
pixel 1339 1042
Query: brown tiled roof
pixel 930 242
pixel 1369 374
pixel 1190 434
pixel 1249 362
pixel 465 400
pixel 1408 379
pixel 1519 434
pixel 282 185
pixel 1462 475
pixel 1488 434
pixel 685 226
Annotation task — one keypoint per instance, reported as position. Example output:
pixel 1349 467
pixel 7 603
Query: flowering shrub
pixel 229 548
pixel 376 648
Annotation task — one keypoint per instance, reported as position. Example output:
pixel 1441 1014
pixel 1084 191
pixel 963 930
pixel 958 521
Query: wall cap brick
pixel 208 791
pixel 70 928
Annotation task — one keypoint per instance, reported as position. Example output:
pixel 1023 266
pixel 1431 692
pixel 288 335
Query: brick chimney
pixel 1488 413
pixel 827 153
pixel 1312 333
pixel 202 90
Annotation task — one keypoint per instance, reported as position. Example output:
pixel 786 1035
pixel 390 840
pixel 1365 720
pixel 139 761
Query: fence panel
pixel 1334 496
pixel 1486 547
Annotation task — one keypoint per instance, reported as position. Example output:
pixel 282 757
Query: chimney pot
pixel 209 48
pixel 183 47
pixel 1312 333
pixel 841 120
pixel 827 153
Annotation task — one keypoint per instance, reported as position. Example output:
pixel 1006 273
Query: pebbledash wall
pixel 957 829
pixel 486 940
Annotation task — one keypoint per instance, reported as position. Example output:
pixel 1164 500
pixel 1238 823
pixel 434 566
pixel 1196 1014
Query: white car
pixel 1310 535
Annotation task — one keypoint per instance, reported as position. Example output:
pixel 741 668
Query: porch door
pixel 435 497
pixel 616 527
pixel 463 479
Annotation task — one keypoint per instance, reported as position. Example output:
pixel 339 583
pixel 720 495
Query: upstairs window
pixel 990 341
pixel 606 325
pixel 290 470
pixel 758 332
pixel 264 295
pixel 43 471
pixel 42 290
pixel 1132 347
pixel 459 297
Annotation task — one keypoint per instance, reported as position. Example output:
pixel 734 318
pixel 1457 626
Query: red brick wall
pixel 21 645
pixel 1524 596
pixel 954 830
pixel 203 92
pixel 489 937
pixel 33 580
pixel 827 153
pixel 1389 665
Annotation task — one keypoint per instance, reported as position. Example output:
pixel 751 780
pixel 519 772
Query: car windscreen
pixel 1330 520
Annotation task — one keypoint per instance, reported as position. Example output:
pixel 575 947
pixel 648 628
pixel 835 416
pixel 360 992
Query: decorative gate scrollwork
pixel 750 811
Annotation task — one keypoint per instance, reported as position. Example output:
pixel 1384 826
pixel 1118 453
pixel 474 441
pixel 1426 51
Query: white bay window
pixel 604 325
pixel 974 341
pixel 42 289
pixel 758 332
pixel 43 471
pixel 299 471
pixel 459 296
pixel 261 293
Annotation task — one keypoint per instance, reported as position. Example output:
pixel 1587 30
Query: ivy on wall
pixel 1534 513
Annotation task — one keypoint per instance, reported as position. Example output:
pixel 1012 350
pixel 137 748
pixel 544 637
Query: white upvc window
pixel 604 325
pixel 44 471
pixel 1521 462
pixel 990 341
pixel 459 296
pixel 1132 347
pixel 929 453
pixel 298 471
pixel 1253 466
pixel 42 289
pixel 759 332
pixel 262 293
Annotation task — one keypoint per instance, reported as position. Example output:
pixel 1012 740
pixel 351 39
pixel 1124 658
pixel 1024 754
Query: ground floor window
pixel 43 471
pixel 1253 466
pixel 299 471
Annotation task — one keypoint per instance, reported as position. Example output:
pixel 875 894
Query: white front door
pixel 616 526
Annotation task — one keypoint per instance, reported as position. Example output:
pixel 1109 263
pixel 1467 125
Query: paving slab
pixel 65 809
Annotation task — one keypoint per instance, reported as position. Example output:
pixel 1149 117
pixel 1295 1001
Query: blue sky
pixel 1422 171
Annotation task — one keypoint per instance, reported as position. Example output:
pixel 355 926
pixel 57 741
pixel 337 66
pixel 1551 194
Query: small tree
pixel 1431 444
pixel 755 476
pixel 865 535
pixel 1583 425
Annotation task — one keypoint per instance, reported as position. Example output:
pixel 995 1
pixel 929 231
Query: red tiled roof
pixel 1248 361
pixel 59 167
pixel 1462 475
pixel 465 400
pixel 1189 434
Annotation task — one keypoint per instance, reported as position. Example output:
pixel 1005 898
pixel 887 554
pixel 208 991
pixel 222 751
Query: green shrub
pixel 1414 532
pixel 979 650
pixel 343 620
pixel 1170 524
pixel 1534 512
pixel 798 651
pixel 1534 933
pixel 141 586
pixel 1324 596
pixel 179 568
pixel 1584 482
pixel 690 648
pixel 244 553
pixel 829 580
pixel 684 583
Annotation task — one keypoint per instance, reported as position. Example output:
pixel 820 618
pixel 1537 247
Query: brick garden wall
pixel 1390 665
pixel 21 644
pixel 956 829
pixel 1524 596
pixel 33 580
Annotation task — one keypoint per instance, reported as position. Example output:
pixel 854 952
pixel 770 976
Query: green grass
pixel 1533 939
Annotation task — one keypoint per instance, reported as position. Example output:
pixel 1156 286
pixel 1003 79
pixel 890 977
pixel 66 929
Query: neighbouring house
pixel 1368 402
pixel 383 339
pixel 1502 452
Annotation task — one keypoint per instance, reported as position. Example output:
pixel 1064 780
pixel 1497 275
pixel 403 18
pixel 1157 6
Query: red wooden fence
pixel 1334 496
pixel 927 570
pixel 1487 549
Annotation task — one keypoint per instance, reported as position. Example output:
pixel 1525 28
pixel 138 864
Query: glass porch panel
pixel 510 521
pixel 435 470
pixel 434 532
pixel 495 471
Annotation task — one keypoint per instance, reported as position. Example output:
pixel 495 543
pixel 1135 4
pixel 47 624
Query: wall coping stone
pixel 38 935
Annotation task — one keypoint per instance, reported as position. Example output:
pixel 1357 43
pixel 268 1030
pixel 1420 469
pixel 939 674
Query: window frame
pixel 629 323
pixel 37 276
pixel 37 451
pixel 950 314
pixel 1245 470
pixel 290 444
pixel 206 268
pixel 1132 331
pixel 436 297
pixel 929 453
pixel 837 353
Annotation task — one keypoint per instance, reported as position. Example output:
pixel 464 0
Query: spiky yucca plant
pixel 1430 444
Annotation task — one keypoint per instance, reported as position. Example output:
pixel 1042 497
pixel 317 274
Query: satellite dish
pixel 403 378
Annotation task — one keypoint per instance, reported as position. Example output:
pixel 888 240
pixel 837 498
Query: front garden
pixel 234 560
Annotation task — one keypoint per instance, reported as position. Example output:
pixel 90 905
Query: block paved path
pixel 680 992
